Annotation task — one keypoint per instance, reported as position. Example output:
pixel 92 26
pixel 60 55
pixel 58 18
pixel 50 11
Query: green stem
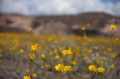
pixel 92 75
pixel 31 69
pixel 36 61
pixel 66 60
pixel 112 42
pixel 97 75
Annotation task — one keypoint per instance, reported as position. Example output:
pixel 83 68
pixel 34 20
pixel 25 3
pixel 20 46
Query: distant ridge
pixel 95 23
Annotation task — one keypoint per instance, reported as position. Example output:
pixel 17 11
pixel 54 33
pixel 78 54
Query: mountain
pixel 96 24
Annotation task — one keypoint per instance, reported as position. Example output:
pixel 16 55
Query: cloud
pixel 54 7
pixel 14 6
pixel 116 10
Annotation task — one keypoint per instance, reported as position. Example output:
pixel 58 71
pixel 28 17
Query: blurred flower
pixel 117 39
pixel 77 48
pixel 67 68
pixel 73 62
pixel 55 50
pixel 46 66
pixel 57 56
pixel 92 68
pixel 34 75
pixel 113 27
pixel 83 28
pixel 50 53
pixel 101 70
pixel 59 67
pixel 26 77
pixel 35 47
pixel 85 37
pixel 30 29
pixel 21 51
pixel 67 52
pixel 113 66
pixel 89 51
pixel 88 24
pixel 28 70
pixel 31 56
pixel 114 55
pixel 109 49
pixel 43 56
pixel 98 62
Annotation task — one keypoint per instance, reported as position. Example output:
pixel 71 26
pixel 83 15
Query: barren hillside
pixel 95 24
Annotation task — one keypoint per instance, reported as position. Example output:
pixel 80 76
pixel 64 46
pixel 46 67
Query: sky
pixel 58 7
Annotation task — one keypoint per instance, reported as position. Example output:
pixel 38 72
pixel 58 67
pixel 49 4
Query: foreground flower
pixel 59 67
pixel 35 47
pixel 67 68
pixel 31 56
pixel 101 70
pixel 113 27
pixel 92 68
pixel 67 52
pixel 26 77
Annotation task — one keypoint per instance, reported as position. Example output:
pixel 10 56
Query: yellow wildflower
pixel 21 51
pixel 83 28
pixel 46 66
pixel 73 62
pixel 88 24
pixel 113 27
pixel 92 68
pixel 101 70
pixel 28 70
pixel 55 50
pixel 117 39
pixel 43 56
pixel 98 62
pixel 59 67
pixel 26 77
pixel 31 56
pixel 35 47
pixel 67 52
pixel 89 51
pixel 113 66
pixel 34 75
pixel 67 68
pixel 57 56
pixel 50 53
pixel 30 29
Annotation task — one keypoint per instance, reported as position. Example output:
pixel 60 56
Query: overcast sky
pixel 55 7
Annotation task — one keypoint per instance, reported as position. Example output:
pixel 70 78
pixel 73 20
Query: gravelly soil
pixel 11 69
pixel 15 69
